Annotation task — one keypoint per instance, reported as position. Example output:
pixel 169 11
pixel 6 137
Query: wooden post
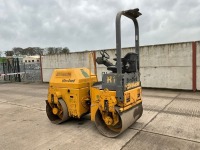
pixel 194 67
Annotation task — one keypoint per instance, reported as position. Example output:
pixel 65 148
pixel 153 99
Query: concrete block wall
pixel 162 66
pixel 198 64
pixel 72 60
pixel 167 66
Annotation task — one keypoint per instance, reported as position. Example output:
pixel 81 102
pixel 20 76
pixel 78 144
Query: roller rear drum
pixel 57 114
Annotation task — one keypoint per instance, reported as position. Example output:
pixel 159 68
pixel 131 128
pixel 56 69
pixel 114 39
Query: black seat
pixel 129 63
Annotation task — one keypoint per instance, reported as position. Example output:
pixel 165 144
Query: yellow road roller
pixel 115 103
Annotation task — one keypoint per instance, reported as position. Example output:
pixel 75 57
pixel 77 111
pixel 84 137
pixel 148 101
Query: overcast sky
pixel 90 24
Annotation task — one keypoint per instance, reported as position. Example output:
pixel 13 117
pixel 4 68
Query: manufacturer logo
pixel 132 85
pixel 66 74
pixel 68 80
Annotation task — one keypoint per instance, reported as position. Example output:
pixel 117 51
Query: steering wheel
pixel 104 54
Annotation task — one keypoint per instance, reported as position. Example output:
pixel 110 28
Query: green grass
pixel 2 59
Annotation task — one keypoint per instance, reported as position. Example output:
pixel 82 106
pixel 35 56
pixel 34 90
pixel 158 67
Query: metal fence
pixel 32 72
pixel 21 72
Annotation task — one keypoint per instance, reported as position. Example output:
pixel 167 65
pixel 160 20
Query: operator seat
pixel 129 63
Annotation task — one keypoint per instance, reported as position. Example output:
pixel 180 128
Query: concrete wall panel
pixel 167 77
pixel 162 66
pixel 198 78
pixel 179 54
pixel 47 72
pixel 167 66
pixel 198 65
pixel 72 60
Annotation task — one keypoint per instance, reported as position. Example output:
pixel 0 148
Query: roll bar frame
pixel 131 14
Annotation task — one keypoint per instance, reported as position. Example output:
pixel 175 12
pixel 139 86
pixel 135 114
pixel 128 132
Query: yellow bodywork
pixel 73 86
pixel 131 98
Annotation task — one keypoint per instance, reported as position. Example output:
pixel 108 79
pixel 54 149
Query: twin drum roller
pixel 115 103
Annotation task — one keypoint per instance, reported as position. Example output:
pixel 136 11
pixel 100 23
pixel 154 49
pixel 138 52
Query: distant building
pixel 25 58
pixel 31 59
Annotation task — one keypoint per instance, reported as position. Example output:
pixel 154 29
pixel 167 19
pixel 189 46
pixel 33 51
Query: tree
pixel 30 51
pixel 38 50
pixel 0 53
pixel 57 50
pixel 50 50
pixel 9 53
pixel 18 51
pixel 65 50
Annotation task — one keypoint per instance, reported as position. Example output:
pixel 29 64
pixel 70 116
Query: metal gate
pixel 10 70
pixel 14 70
